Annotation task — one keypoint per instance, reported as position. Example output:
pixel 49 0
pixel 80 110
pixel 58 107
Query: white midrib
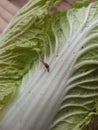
pixel 35 108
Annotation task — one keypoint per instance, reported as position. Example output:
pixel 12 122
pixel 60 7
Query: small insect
pixel 46 65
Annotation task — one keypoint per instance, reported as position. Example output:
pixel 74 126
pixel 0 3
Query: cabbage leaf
pixel 66 97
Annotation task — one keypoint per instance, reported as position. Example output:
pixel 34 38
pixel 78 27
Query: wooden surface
pixel 18 3
pixel 7 11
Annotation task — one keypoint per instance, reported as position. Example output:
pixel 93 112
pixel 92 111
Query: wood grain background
pixel 18 3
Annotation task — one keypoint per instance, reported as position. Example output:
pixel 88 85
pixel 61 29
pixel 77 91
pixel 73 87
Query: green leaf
pixel 66 95
pixel 81 88
pixel 24 42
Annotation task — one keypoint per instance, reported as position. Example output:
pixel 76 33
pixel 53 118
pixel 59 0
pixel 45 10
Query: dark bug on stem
pixel 46 65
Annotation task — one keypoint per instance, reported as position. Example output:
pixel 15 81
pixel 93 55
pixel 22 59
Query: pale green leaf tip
pixel 83 3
